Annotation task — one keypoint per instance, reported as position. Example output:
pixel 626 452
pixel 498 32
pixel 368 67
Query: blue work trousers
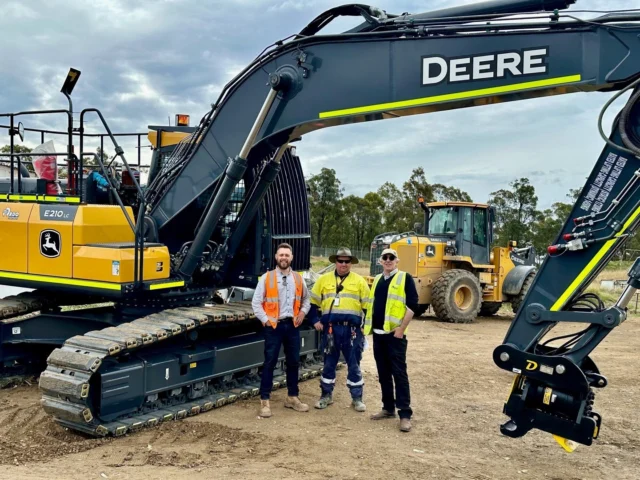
pixel 287 335
pixel 350 347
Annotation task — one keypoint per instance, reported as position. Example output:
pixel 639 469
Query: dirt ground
pixel 457 394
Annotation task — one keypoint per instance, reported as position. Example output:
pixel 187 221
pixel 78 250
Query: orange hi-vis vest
pixel 270 303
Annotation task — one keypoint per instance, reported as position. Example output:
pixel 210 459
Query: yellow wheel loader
pixel 455 269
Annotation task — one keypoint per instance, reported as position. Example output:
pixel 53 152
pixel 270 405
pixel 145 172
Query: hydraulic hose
pixel 629 105
pixel 629 136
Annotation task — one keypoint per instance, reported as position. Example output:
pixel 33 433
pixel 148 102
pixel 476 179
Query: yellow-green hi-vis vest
pixel 396 304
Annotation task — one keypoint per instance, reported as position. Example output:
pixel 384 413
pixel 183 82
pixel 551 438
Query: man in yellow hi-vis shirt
pixel 393 299
pixel 342 297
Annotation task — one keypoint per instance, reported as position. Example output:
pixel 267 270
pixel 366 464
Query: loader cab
pixel 465 227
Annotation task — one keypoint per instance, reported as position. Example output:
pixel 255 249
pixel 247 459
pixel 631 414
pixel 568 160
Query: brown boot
pixel 296 404
pixel 405 425
pixel 265 409
pixel 382 414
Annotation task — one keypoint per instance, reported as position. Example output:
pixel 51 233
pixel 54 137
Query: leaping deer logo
pixel 50 243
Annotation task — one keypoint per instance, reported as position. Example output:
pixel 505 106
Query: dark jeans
pixel 390 354
pixel 289 336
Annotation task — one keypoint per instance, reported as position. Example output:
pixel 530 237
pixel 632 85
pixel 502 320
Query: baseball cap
pixel 389 251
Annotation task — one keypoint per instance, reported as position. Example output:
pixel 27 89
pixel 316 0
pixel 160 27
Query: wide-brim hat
pixel 343 252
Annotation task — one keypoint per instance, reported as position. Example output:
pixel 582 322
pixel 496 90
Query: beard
pixel 284 263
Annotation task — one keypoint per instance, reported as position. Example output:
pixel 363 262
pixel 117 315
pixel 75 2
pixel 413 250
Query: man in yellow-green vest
pixel 342 297
pixel 393 299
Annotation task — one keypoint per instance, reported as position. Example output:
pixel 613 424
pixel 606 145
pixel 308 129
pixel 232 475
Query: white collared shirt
pixel 391 274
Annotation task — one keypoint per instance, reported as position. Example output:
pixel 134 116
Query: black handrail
pixel 138 250
pixel 76 175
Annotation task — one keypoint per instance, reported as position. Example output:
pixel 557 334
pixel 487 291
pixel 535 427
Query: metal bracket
pixel 610 318
pixel 302 62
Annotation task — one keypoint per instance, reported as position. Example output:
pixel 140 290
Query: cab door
pixel 466 228
pixel 480 244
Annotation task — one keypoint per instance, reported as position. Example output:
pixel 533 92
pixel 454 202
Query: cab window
pixel 479 227
pixel 444 221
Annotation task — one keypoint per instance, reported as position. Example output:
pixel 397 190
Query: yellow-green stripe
pixel 549 82
pixel 40 198
pixel 158 286
pixel 592 264
pixel 61 281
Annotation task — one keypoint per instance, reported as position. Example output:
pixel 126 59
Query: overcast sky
pixel 144 61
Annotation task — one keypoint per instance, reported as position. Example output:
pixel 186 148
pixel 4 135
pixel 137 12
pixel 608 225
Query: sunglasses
pixel 343 261
pixel 388 257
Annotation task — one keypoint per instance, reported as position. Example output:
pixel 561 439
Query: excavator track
pixel 25 303
pixel 67 382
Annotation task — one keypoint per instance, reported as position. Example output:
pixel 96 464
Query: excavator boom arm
pixel 405 65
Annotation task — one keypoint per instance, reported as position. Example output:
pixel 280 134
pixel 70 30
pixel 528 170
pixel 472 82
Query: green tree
pixel 443 193
pixel 394 210
pixel 362 219
pixel 325 195
pixel 549 222
pixel 516 211
pixel 6 149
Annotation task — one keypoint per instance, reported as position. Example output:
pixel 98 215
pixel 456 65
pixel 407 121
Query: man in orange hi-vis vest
pixel 281 301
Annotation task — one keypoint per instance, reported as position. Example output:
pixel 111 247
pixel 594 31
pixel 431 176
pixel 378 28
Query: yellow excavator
pixel 456 270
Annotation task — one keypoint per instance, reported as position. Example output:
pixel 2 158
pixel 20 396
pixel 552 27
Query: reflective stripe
pixel 271 299
pixel 338 311
pixel 390 319
pixel 161 286
pixel 482 92
pixel 350 295
pixel 355 384
pixel 399 278
pixel 397 297
pixel 328 380
pixel 315 296
pixel 61 281
pixel 328 295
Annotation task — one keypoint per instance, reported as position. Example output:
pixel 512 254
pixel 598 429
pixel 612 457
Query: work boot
pixel 265 409
pixel 405 425
pixel 324 402
pixel 296 404
pixel 358 405
pixel 382 414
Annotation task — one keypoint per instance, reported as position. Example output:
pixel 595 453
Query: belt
pixel 285 320
pixel 345 323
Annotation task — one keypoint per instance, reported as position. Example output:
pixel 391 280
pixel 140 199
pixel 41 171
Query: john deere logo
pixel 50 244
pixel 431 250
pixel 531 365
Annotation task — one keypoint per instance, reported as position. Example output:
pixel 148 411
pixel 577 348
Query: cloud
pixel 142 62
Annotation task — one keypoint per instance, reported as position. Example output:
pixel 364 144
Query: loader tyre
pixel 488 309
pixel 517 300
pixel 456 296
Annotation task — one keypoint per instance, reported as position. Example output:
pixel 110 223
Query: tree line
pixel 339 220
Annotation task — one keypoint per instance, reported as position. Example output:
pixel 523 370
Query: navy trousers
pixel 287 335
pixel 390 354
pixel 351 349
